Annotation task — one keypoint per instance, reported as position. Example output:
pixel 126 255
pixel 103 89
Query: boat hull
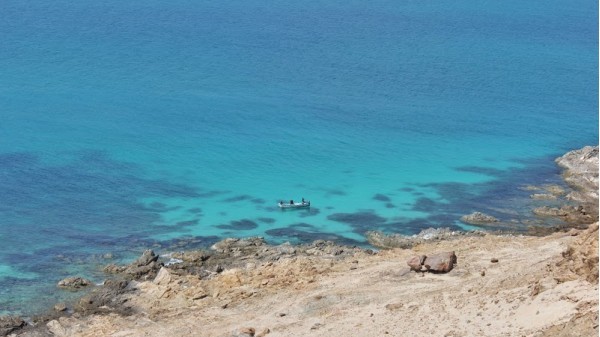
pixel 295 205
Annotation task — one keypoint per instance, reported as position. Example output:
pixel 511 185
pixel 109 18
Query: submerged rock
pixel 478 218
pixel 232 244
pixel 381 240
pixel 543 196
pixel 74 283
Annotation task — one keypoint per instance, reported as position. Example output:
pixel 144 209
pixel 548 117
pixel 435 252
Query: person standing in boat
pixel 292 202
pixel 303 200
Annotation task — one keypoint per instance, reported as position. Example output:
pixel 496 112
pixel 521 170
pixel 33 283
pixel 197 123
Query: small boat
pixel 292 204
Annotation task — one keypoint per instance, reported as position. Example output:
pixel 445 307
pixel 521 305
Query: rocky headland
pixel 437 283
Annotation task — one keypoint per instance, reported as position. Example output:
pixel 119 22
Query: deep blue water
pixel 128 125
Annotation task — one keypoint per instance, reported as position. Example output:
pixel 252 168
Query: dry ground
pixel 533 290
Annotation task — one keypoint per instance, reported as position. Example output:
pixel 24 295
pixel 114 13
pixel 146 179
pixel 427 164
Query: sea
pixel 170 125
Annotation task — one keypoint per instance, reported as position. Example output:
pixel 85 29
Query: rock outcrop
pixel 581 174
pixel 9 324
pixel 574 216
pixel 145 267
pixel 105 299
pixel 581 257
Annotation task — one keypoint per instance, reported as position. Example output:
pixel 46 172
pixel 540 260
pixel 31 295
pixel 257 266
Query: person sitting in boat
pixel 281 203
pixel 292 202
pixel 303 200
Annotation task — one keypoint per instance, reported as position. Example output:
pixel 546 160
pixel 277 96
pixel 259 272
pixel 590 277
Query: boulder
pixel 436 263
pixel 416 262
pixel 163 277
pixel 10 324
pixel 147 257
pixel 440 263
pixel 244 332
pixel 145 267
pixel 114 269
pixel 74 283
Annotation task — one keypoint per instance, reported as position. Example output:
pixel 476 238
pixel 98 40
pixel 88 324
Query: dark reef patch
pixel 195 210
pixel 425 205
pixel 188 223
pixel 76 206
pixel 303 225
pixel 309 212
pixel 238 198
pixel 86 193
pixel 330 192
pixel 381 197
pixel 244 224
pixel 258 201
pixel 389 205
pixel 358 218
pixel 502 197
pixel 210 194
pixel 160 207
pixel 266 220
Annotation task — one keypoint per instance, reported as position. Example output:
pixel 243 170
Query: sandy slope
pixel 532 291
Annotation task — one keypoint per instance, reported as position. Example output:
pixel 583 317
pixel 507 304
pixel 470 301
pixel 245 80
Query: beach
pixel 500 285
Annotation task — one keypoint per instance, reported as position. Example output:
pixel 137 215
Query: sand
pixel 539 287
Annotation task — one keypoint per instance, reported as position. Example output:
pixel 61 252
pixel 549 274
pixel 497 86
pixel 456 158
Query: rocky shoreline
pixel 236 271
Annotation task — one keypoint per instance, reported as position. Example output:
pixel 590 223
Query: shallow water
pixel 171 125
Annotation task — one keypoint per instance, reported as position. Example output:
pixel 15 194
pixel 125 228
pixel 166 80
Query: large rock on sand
pixel 436 263
pixel 440 263
pixel 416 262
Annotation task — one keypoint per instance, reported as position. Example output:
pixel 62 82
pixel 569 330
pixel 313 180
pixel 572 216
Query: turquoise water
pixel 173 124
